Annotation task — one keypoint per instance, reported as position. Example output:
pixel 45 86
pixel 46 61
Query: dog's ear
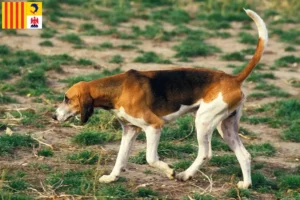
pixel 86 107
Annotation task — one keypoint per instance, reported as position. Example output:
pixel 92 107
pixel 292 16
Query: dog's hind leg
pixel 129 135
pixel 153 136
pixel 208 117
pixel 228 129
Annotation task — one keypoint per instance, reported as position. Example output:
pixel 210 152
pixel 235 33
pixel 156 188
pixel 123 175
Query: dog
pixel 146 100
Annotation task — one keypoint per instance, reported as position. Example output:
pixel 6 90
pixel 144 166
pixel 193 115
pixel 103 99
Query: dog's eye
pixel 67 100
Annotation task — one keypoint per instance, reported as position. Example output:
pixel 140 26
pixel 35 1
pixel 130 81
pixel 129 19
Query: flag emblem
pixel 22 15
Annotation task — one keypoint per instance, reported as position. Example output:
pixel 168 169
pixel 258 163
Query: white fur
pixel 135 121
pixel 63 112
pixel 128 138
pixel 153 136
pixel 228 128
pixel 261 26
pixel 208 117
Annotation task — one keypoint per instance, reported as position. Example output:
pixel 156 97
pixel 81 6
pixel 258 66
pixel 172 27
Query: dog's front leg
pixel 128 137
pixel 153 136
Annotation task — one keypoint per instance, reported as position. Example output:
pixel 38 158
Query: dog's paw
pixel 183 176
pixel 243 185
pixel 171 174
pixel 107 179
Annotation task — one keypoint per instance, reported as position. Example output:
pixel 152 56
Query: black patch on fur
pixel 232 114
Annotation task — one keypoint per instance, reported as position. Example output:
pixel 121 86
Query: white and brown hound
pixel 149 99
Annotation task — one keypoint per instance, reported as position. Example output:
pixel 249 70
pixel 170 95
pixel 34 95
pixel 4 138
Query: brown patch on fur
pixel 252 63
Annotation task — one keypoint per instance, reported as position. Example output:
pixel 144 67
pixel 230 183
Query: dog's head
pixel 77 100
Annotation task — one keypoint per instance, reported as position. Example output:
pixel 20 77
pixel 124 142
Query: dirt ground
pixel 59 137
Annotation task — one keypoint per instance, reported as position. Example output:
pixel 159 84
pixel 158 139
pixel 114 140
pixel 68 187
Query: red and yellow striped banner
pixel 13 15
pixel 16 14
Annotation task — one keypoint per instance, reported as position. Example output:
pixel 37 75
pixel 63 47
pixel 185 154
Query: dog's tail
pixel 261 44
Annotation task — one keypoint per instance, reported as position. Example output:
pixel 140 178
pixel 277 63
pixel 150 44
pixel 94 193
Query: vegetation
pixel 80 39
pixel 83 157
pixel 151 57
pixel 9 143
pixel 92 138
pixel 46 152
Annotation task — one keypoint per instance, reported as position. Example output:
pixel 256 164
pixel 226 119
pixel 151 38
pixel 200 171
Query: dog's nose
pixel 54 116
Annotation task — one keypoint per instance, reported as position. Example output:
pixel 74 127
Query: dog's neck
pixel 106 91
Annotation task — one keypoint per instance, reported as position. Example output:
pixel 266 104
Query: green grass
pixel 249 51
pixel 91 30
pixel 146 193
pixel 246 26
pixel 286 116
pixel 223 11
pixel 4 50
pixel 115 16
pixel 170 150
pixel 246 132
pixel 257 166
pixel 291 36
pixel 216 25
pixel 286 61
pixel 48 33
pixel 193 48
pixel 30 118
pixel 290 182
pixel 86 27
pixel 106 45
pixel 139 158
pixel 292 133
pixel 92 137
pixel 217 144
pixel 223 160
pixel 239 56
pixel 83 157
pixel 247 38
pixel 84 62
pixel 73 182
pixel 46 43
pixel 261 183
pixel 45 152
pixel 233 193
pixel 151 57
pixel 18 184
pixel 116 191
pixel 182 165
pixel 71 38
pixel 257 95
pixel 290 49
pixel 116 59
pixel 222 34
pixel 9 143
pixel 126 46
pixel 265 149
pixel 173 16
pixel 181 129
pixel 230 170
pixel 4 99
pixel 271 90
pixel 8 195
pixel 34 83
pixel 72 80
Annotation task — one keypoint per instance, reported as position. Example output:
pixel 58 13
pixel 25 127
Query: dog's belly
pixel 182 110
